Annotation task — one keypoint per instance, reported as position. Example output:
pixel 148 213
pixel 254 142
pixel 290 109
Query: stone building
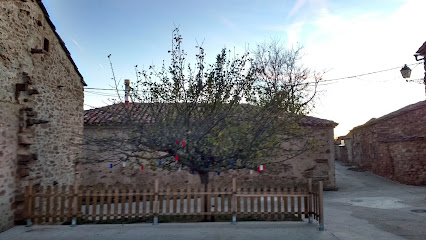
pixel 340 149
pixel 41 106
pixel 100 124
pixel 392 146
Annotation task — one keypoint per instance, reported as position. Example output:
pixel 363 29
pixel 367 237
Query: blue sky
pixel 345 38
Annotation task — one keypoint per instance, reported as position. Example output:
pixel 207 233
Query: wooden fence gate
pixel 53 205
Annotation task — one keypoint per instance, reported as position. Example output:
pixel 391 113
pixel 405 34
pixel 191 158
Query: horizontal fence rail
pixel 52 205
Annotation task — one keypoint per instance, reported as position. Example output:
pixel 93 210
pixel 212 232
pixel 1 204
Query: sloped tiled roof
pixel 422 49
pixel 317 122
pixel 117 114
pixel 409 108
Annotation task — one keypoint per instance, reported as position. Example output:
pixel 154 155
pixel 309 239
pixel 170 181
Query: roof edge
pixel 61 42
pixel 306 121
pixel 422 49
pixel 391 115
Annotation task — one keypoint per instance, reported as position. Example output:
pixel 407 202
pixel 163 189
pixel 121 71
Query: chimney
pixel 126 91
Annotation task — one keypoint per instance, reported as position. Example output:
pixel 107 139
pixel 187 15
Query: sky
pixel 344 38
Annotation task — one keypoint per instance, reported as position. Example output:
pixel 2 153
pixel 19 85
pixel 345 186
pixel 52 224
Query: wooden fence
pixel 54 205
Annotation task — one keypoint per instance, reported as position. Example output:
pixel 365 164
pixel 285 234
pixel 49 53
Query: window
pixel 46 45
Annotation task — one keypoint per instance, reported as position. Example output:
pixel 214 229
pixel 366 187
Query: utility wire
pixel 101 89
pixel 320 83
pixel 102 94
pixel 364 74
pixel 90 105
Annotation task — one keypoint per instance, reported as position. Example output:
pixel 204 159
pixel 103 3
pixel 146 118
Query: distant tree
pixel 286 83
pixel 231 114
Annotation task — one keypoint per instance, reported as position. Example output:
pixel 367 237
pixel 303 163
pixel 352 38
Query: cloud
pixel 225 21
pixel 367 38
pixel 299 4
pixel 274 28
pixel 294 33
pixel 311 5
pixel 76 43
pixel 353 43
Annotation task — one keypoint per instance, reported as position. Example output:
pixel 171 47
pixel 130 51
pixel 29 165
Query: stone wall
pixel 8 147
pixel 341 153
pixel 317 164
pixel 340 150
pixel 393 146
pixel 41 106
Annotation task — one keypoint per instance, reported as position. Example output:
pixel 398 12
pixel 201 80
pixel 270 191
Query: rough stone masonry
pixel 317 163
pixel 41 106
pixel 392 146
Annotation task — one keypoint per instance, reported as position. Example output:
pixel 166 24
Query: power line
pixel 101 94
pixel 320 83
pixel 90 105
pixel 103 89
pixel 364 74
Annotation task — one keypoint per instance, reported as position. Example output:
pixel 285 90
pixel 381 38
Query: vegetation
pixel 234 113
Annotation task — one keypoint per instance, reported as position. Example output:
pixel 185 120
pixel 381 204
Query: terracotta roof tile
pixel 409 108
pixel 115 115
pixel 317 122
pixel 118 114
pixel 422 49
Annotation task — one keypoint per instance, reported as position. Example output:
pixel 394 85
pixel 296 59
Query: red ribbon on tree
pixel 177 141
pixel 176 158
pixel 183 143
pixel 141 168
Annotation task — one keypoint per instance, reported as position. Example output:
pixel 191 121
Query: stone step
pixel 25 138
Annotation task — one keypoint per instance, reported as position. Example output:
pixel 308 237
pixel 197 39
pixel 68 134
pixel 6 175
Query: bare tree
pixel 234 113
pixel 286 83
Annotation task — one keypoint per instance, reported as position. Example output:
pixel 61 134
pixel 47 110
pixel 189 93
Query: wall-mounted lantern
pixel 405 71
pixel 422 52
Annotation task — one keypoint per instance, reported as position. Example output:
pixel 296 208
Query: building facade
pixel 41 106
pixel 317 163
pixel 392 146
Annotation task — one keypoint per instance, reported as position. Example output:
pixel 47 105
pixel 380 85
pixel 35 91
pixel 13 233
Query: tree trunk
pixel 204 178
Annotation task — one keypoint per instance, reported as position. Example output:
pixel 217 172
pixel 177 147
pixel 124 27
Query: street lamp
pixel 422 52
pixel 405 71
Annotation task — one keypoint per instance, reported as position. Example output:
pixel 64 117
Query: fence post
pixel 234 202
pixel 74 205
pixel 156 186
pixel 28 202
pixel 321 206
pixel 310 200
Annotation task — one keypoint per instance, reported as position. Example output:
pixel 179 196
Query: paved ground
pixel 365 207
pixel 371 207
pixel 187 231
